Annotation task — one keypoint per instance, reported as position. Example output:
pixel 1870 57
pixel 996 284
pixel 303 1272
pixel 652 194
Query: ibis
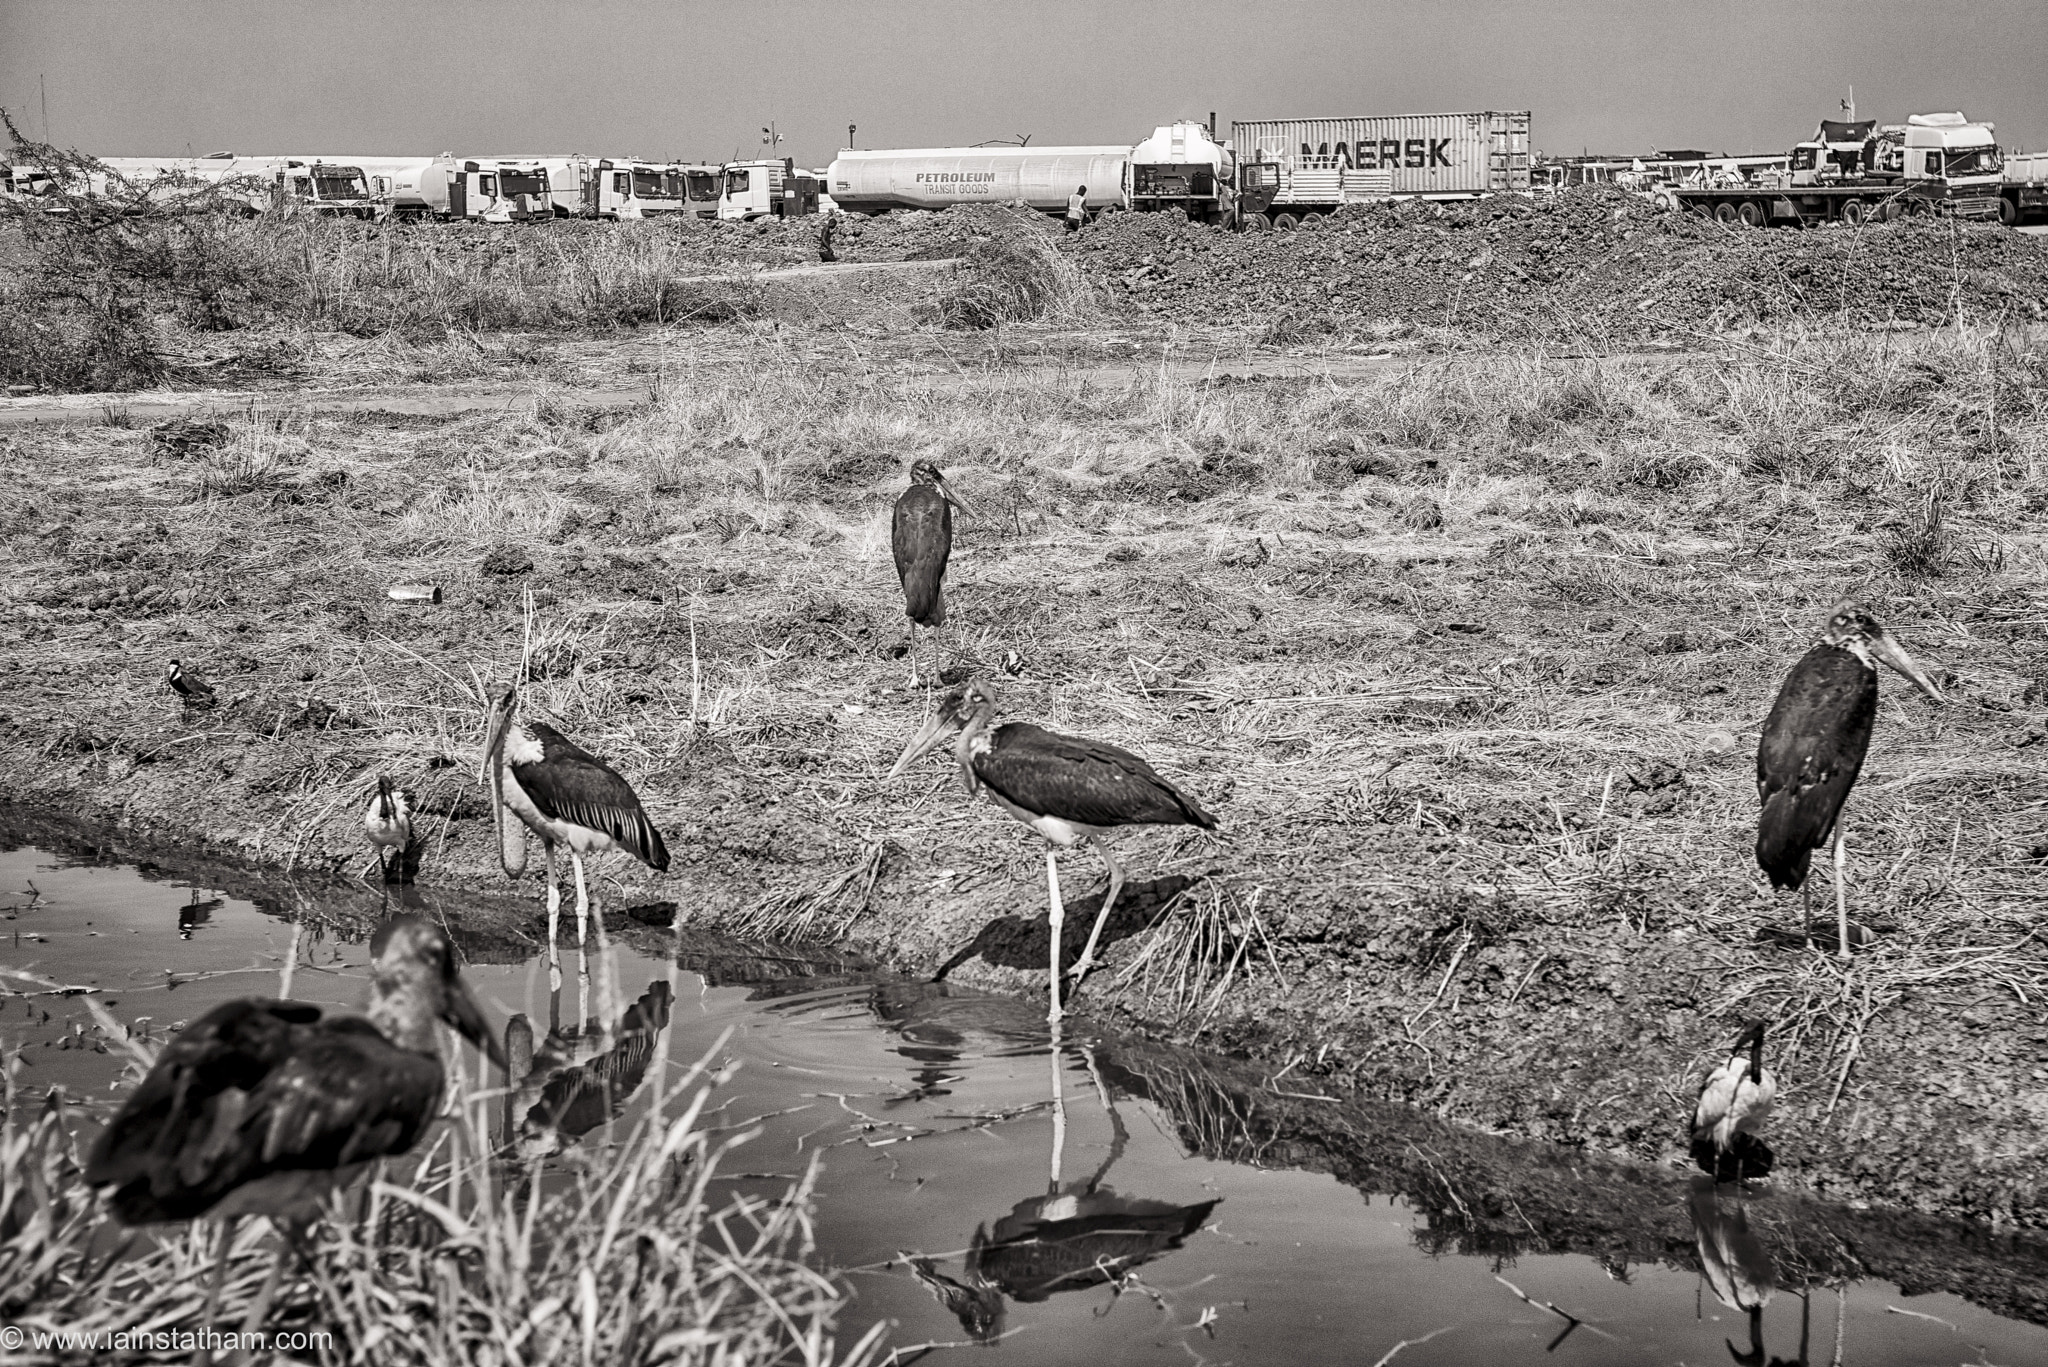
pixel 193 690
pixel 1734 1102
pixel 1737 1265
pixel 1064 787
pixel 1813 746
pixel 262 1106
pixel 921 537
pixel 566 796
pixel 388 824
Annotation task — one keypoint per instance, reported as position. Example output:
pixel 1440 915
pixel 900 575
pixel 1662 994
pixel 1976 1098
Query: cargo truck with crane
pixel 1855 172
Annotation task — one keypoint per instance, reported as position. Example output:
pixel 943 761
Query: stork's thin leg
pixel 1116 885
pixel 1841 890
pixel 1059 1106
pixel 383 870
pixel 1806 903
pixel 582 897
pixel 1057 914
pixel 554 893
pixel 913 655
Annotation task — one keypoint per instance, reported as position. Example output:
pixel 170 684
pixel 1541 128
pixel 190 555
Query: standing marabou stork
pixel 1728 1119
pixel 1813 747
pixel 1064 787
pixel 193 690
pixel 921 537
pixel 261 1106
pixel 566 796
pixel 388 824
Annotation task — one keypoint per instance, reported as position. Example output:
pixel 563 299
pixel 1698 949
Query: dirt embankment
pixel 1469 660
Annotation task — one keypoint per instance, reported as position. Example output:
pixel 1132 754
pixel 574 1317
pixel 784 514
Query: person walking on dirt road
pixel 1077 209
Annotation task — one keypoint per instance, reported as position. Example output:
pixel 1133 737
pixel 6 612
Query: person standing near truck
pixel 1077 209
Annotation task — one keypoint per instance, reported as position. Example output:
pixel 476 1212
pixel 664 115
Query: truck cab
pixel 759 189
pixel 1951 159
pixel 703 187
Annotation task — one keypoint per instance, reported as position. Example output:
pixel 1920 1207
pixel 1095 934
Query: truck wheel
pixel 1255 223
pixel 1854 212
pixel 2008 211
pixel 1724 212
pixel 1751 213
pixel 1286 223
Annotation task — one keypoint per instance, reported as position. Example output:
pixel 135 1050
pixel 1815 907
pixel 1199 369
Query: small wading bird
pixel 388 824
pixel 195 691
pixel 566 796
pixel 1065 788
pixel 1728 1120
pixel 1813 747
pixel 921 537
pixel 261 1107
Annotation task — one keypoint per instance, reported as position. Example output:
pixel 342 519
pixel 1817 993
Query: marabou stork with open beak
pixel 1064 787
pixel 1813 747
pixel 921 537
pixel 190 688
pixel 261 1106
pixel 566 796
pixel 388 824
pixel 1728 1119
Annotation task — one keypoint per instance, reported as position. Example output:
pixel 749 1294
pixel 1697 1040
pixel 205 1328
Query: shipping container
pixel 1326 162
pixel 939 177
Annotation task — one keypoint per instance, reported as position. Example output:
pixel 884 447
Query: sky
pixel 697 79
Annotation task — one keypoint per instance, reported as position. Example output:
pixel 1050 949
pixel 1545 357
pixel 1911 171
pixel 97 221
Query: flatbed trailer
pixel 1758 206
pixel 2025 192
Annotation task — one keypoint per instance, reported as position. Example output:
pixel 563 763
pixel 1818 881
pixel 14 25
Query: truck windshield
pixel 338 185
pixel 650 185
pixel 524 182
pixel 1971 161
pixel 703 185
pixel 1805 158
pixel 737 182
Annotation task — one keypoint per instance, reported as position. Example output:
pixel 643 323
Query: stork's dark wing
pixel 1082 780
pixel 921 537
pixel 1103 1236
pixel 571 784
pixel 1812 749
pixel 578 1099
pixel 253 1088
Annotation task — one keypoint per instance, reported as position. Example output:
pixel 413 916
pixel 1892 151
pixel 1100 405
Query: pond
pixel 1103 1200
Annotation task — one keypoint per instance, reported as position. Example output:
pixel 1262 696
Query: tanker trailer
pixel 874 182
pixel 1182 166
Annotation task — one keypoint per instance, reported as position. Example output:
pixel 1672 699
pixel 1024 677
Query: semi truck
pixel 480 189
pixel 1291 169
pixel 874 182
pixel 1853 172
pixel 315 184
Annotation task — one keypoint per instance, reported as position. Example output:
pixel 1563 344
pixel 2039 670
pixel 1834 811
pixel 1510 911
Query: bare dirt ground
pixel 1468 651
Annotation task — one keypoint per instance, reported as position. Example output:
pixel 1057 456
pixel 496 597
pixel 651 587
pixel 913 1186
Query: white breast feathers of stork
pixel 1726 1133
pixel 566 796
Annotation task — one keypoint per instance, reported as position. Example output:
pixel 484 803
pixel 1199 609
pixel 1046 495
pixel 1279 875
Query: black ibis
pixel 1813 747
pixel 921 537
pixel 195 691
pixel 1728 1120
pixel 566 796
pixel 261 1106
pixel 388 824
pixel 1064 787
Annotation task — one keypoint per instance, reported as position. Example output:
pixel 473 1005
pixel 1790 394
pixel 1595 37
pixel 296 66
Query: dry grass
pixel 1466 654
pixel 632 1252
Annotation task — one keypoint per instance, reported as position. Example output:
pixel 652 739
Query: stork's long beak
pixel 954 498
pixel 930 736
pixel 494 733
pixel 1894 654
pixel 460 1010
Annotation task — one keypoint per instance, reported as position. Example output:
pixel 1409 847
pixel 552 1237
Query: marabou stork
pixel 921 537
pixel 190 688
pixel 566 796
pixel 1728 1119
pixel 1813 747
pixel 1064 787
pixel 584 1076
pixel 261 1106
pixel 388 824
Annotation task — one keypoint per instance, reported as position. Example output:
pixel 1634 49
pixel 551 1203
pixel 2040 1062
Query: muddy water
pixel 1107 1200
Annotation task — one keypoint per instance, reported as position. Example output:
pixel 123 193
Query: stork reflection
pixel 581 1076
pixel 1076 1235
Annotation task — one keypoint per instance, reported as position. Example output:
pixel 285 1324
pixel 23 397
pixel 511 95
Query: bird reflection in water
pixel 1739 1269
pixel 1077 1235
pixel 580 1077
pixel 195 913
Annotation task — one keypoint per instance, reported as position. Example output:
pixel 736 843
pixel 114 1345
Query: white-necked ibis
pixel 921 538
pixel 190 688
pixel 1064 787
pixel 566 796
pixel 1813 746
pixel 1728 1119
pixel 388 824
pixel 261 1106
